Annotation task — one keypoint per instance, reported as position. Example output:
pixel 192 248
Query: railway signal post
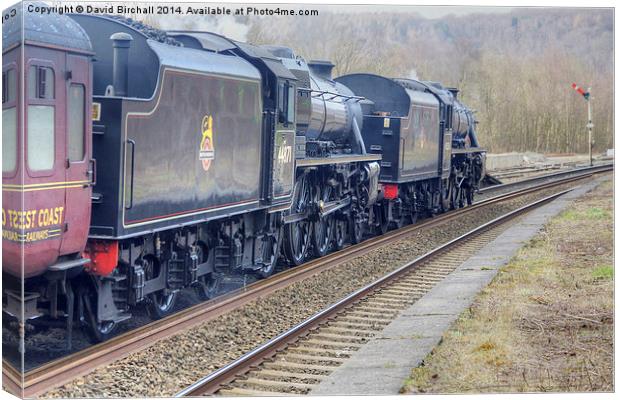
pixel 589 125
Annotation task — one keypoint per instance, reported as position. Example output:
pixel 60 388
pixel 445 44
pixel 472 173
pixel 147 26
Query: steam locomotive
pixel 138 162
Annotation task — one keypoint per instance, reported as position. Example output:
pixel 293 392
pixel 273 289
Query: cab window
pixel 286 103
pixel 290 104
pixel 9 120
pixel 41 119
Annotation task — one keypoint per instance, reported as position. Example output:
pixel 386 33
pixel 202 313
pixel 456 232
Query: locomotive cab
pixel 47 169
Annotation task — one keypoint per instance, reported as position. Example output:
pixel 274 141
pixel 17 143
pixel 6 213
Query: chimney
pixel 322 69
pixel 454 91
pixel 120 71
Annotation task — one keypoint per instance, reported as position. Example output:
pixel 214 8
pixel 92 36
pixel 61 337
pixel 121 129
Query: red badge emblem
pixel 207 145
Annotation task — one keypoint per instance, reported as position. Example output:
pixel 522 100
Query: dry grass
pixel 546 321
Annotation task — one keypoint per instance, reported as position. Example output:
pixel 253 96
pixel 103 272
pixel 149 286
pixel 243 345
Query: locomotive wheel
pixel 271 250
pixel 297 234
pixel 208 285
pixel 462 199
pixel 469 196
pixel 384 223
pixel 102 331
pixel 340 234
pixel 323 228
pixel 446 195
pixel 399 223
pixel 160 303
pixel 455 195
pixel 400 219
pixel 357 230
pixel 97 331
pixel 105 330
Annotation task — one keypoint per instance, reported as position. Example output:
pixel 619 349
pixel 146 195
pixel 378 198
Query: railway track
pixel 552 176
pixel 522 172
pixel 45 377
pixel 330 341
pixel 298 359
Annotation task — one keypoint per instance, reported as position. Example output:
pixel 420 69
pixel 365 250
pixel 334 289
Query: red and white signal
pixel 585 94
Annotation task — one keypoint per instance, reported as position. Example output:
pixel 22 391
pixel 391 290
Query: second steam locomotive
pixel 138 162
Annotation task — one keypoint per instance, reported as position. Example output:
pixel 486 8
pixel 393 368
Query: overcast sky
pixel 425 11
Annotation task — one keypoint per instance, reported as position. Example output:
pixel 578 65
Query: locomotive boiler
pixel 336 112
pixel 329 114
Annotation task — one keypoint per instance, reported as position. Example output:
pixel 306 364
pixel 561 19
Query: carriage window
pixel 40 137
pixel 40 83
pixel 75 139
pixel 9 120
pixel 9 88
pixel 9 139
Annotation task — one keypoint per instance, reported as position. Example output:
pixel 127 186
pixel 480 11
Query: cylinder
pixel 121 42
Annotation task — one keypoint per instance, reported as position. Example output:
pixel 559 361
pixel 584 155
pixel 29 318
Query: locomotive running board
pixel 339 159
pixel 468 150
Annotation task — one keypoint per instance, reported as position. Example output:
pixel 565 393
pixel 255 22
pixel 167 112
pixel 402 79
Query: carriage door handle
pixel 92 172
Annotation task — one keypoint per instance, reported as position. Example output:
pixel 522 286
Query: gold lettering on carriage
pixel 21 225
pixel 37 218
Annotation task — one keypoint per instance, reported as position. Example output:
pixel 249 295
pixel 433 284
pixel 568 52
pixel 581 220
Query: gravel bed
pixel 48 345
pixel 171 364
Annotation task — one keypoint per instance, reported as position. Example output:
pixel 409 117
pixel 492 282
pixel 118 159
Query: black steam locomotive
pixel 205 157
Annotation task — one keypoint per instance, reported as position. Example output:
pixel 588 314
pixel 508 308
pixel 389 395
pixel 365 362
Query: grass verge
pixel 545 323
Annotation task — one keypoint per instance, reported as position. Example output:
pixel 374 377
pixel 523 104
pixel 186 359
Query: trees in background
pixel 515 69
pixel 526 103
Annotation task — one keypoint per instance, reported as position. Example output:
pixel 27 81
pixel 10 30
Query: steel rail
pixel 211 383
pixel 594 169
pixel 62 370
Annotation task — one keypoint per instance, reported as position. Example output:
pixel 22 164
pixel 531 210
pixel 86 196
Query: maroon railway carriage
pixel 46 148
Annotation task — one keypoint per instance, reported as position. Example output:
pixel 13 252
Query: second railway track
pixel 304 364
pixel 62 370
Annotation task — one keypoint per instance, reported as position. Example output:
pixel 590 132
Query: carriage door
pixel 79 166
